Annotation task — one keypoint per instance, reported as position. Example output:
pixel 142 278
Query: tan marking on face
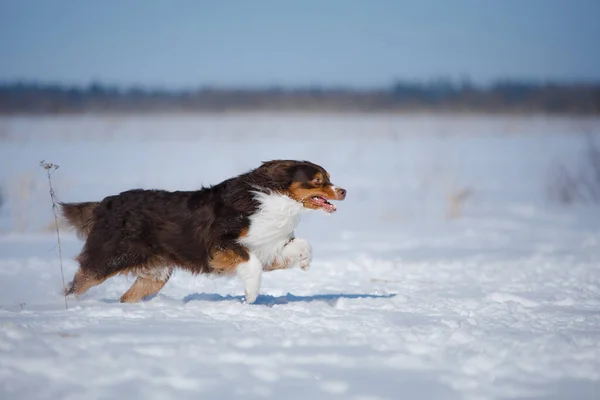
pixel 318 176
pixel 225 261
pixel 300 194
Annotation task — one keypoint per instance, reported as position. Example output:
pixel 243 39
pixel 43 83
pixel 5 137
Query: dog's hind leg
pixel 146 285
pixel 82 281
pixel 142 287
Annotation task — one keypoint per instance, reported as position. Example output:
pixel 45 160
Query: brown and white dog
pixel 242 226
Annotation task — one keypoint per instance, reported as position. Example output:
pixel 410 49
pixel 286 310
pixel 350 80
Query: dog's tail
pixel 80 216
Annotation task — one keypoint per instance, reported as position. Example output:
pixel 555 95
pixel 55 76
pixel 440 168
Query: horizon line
pixel 300 87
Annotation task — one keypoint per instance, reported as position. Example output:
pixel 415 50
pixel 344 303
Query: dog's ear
pixel 276 167
pixel 279 173
pixel 272 163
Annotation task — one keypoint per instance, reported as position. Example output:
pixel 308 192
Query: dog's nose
pixel 342 193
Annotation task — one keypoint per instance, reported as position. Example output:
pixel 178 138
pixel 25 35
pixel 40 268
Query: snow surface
pixel 500 302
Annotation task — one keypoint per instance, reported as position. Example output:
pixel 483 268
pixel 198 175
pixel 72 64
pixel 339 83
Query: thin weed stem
pixel 50 169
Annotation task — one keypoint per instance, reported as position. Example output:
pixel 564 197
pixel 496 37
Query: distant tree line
pixel 501 97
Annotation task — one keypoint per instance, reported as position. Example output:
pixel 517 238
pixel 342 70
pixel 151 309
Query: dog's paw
pixel 250 296
pixel 299 251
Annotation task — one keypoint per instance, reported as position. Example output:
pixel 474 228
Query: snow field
pixel 401 301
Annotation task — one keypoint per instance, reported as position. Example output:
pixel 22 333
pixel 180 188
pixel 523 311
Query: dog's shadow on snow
pixel 268 300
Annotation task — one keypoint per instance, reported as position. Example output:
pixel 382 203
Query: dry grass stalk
pixel 50 169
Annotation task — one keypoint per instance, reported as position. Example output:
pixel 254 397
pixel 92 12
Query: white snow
pixel 401 301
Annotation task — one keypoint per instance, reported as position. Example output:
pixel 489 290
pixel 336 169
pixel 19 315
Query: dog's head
pixel 303 181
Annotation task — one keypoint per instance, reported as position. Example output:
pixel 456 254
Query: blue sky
pixel 363 44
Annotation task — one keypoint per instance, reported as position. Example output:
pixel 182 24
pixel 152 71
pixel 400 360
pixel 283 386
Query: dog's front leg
pixel 250 272
pixel 298 252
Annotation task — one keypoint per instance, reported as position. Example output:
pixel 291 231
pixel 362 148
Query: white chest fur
pixel 272 226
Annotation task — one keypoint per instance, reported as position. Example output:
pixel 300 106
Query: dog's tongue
pixel 328 207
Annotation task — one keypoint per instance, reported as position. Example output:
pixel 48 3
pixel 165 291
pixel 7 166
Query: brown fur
pixel 224 261
pixel 145 231
pixel 79 215
pixel 142 287
pixel 84 280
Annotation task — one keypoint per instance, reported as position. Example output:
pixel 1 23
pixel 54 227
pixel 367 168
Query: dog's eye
pixel 318 181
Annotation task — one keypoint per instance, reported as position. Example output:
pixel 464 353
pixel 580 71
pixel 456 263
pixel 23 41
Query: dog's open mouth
pixel 321 202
